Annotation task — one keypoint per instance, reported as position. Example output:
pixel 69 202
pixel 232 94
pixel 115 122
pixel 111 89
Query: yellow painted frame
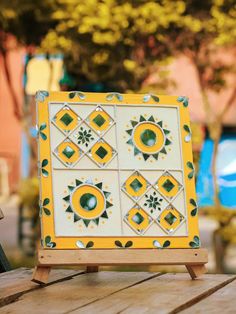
pixel 49 240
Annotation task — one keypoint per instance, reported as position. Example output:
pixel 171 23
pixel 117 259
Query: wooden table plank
pixel 164 294
pixel 81 290
pixel 223 300
pixel 17 282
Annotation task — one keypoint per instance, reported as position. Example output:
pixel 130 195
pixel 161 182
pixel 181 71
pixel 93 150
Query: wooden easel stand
pixel 193 259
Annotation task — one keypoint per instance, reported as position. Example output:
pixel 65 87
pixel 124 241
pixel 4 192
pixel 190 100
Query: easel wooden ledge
pixel 193 259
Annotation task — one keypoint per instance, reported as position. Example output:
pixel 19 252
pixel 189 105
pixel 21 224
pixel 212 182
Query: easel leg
pixel 196 270
pixel 4 264
pixel 92 269
pixel 41 274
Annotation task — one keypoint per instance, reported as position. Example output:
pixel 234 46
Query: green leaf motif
pixel 43 136
pixel 158 245
pixel 72 95
pixel 44 163
pixel 128 244
pixel 186 128
pixel 42 126
pixel 111 96
pixel 81 95
pixel 166 244
pixel 49 243
pixel 195 243
pixel 184 100
pixel 196 239
pixel 46 211
pixel 89 244
pixel 190 166
pixel 193 203
pixel 44 171
pixel 47 239
pixel 41 95
pixel 155 98
pixel 81 245
pixel 147 97
pixel 46 201
pixel 52 244
pixel 190 175
pixel 118 243
pixel 194 212
pixel 189 135
pixel 75 93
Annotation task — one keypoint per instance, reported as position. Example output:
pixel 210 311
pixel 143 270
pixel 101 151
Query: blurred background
pixel 160 47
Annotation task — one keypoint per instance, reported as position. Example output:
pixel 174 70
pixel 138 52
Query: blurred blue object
pixel 226 173
pixel 33 132
pixel 25 157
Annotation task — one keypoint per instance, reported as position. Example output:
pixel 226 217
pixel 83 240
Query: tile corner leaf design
pixel 184 100
pixel 49 243
pixel 196 243
pixel 41 95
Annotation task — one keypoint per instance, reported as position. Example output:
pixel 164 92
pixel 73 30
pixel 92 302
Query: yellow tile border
pixel 49 240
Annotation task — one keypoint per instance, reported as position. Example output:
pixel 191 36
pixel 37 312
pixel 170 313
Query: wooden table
pixel 70 291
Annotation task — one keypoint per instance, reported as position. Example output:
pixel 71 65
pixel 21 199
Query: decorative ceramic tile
pixel 116 171
pixel 153 202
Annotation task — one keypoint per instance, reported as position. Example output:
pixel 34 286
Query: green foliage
pixel 120 43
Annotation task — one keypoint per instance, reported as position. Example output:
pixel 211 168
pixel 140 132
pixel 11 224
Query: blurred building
pixel 27 74
pixel 11 100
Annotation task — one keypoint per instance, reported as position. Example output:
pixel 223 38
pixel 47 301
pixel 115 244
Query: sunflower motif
pixel 148 137
pixel 87 201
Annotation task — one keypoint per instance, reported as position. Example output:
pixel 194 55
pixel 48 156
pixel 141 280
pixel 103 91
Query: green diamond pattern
pixel 68 152
pixel 170 218
pixel 168 185
pixel 101 152
pixel 138 218
pixel 136 185
pixel 99 120
pixel 66 119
